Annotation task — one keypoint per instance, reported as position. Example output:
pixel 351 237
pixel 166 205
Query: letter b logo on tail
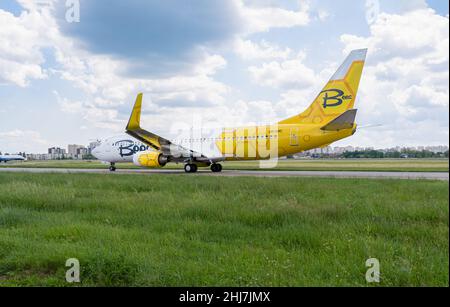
pixel 333 98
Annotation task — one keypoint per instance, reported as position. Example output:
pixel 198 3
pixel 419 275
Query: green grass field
pixel 200 231
pixel 399 165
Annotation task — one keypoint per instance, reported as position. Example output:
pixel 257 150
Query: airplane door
pixel 225 144
pixel 294 137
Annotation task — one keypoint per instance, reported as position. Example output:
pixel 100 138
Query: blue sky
pixel 229 62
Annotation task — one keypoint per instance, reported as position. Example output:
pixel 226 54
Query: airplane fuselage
pixel 248 143
pixel 330 117
pixel 8 158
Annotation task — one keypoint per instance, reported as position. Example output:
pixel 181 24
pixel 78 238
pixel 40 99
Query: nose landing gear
pixel 112 168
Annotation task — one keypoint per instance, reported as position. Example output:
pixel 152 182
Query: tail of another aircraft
pixel 338 96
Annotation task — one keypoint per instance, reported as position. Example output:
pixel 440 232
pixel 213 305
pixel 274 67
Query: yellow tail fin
pixel 338 95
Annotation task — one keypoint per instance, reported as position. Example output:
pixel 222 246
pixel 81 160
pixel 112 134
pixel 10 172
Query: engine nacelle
pixel 150 159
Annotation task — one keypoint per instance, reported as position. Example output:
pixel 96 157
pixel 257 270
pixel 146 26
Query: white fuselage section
pixel 122 148
pixel 7 158
pixel 119 149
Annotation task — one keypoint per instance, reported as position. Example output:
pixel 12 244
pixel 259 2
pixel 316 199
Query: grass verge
pixel 200 231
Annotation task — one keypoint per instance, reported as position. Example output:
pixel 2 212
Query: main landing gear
pixel 190 168
pixel 112 168
pixel 216 168
pixel 193 168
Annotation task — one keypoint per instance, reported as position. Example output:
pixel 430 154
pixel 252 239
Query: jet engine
pixel 150 159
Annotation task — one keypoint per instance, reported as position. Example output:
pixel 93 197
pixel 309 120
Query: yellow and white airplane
pixel 331 117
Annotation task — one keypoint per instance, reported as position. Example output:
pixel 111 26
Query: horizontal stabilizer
pixel 344 121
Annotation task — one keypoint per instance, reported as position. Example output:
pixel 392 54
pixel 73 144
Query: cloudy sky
pixel 221 62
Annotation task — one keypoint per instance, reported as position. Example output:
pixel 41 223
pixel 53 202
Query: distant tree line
pixel 377 154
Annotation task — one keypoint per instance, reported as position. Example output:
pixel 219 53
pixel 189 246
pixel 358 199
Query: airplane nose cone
pixel 95 152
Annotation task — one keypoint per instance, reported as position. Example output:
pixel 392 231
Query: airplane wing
pixel 156 142
pixel 134 128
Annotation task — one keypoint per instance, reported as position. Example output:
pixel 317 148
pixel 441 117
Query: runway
pixel 243 173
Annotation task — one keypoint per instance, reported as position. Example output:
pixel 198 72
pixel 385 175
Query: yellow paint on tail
pixel 337 96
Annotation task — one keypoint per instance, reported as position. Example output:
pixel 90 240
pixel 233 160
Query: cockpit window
pixel 95 144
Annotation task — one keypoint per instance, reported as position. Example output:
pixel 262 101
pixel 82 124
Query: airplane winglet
pixel 134 129
pixel 135 119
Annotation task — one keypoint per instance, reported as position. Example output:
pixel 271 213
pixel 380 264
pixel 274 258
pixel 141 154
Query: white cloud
pixel 417 34
pixel 295 101
pixel 264 50
pixel 286 74
pixel 100 78
pixel 263 18
pixel 405 84
pixel 259 112
pixel 106 89
pixel 20 44
pixel 210 65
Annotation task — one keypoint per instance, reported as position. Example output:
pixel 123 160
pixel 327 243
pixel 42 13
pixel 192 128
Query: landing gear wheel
pixel 190 168
pixel 216 168
pixel 112 168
